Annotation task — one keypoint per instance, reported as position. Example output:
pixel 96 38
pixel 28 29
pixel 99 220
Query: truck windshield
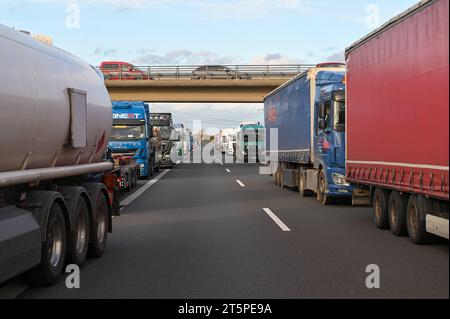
pixel 339 115
pixel 127 133
pixel 163 131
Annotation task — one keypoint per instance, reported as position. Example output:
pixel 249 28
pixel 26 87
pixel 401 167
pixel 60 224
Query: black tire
pixel 129 181
pixel 397 214
pixel 116 204
pixel 135 178
pixel 281 178
pixel 53 250
pixel 80 234
pixel 99 230
pixel 417 229
pixel 302 184
pixel 381 208
pixel 321 187
pixel 151 167
pixel 133 175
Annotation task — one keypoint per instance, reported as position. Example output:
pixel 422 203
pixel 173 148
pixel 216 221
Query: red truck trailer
pixel 398 121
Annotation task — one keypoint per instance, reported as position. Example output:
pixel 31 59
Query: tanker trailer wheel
pixel 302 185
pixel 99 229
pixel 397 214
pixel 321 189
pixel 80 236
pixel 380 208
pixel 53 249
pixel 417 229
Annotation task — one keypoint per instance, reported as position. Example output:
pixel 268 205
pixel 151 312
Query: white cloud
pixel 182 56
pixel 225 8
pixel 336 57
pixel 275 58
pixel 247 9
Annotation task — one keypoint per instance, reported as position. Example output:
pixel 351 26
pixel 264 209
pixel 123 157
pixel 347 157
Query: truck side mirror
pixel 323 124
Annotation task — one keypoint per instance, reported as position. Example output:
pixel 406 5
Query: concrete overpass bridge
pixel 199 84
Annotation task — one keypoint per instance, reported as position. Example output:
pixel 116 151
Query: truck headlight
pixel 142 167
pixel 340 180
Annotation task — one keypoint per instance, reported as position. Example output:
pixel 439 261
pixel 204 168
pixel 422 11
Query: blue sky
pixel 203 32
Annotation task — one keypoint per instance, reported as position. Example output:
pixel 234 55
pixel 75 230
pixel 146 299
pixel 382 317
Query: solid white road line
pixel 276 220
pixel 240 183
pixel 127 201
pixel 228 171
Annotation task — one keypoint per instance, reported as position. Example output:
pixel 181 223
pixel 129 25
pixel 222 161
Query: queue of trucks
pixel 376 129
pixel 246 143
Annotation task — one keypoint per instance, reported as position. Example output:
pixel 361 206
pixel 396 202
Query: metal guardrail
pixel 208 72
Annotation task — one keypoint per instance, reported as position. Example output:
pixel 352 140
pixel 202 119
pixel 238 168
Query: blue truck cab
pixel 329 137
pixel 132 134
pixel 308 114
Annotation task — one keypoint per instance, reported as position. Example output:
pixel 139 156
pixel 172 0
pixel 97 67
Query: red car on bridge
pixel 116 70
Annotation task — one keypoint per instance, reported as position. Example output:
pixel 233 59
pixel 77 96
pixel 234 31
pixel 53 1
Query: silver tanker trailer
pixel 55 122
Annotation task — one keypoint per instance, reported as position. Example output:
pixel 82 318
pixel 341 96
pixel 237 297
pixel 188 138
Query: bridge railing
pixel 210 72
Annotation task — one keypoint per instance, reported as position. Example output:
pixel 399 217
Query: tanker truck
pixel 56 189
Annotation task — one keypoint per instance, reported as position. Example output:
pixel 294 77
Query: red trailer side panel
pixel 398 104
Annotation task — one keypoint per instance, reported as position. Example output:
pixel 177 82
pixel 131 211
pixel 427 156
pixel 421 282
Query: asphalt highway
pixel 224 231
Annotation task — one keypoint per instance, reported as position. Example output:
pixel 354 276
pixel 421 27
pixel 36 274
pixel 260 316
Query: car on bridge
pixel 115 70
pixel 217 72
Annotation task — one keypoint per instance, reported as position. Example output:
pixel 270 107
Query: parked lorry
pixel 250 143
pixel 223 138
pixel 181 141
pixel 230 148
pixel 398 121
pixel 56 191
pixel 308 115
pixel 163 129
pixel 132 135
